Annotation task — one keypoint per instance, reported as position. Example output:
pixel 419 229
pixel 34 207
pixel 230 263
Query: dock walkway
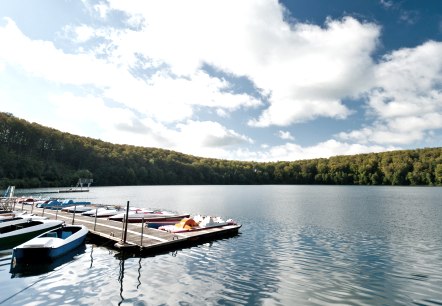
pixel 138 238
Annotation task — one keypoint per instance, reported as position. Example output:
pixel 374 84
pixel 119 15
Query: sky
pixel 252 80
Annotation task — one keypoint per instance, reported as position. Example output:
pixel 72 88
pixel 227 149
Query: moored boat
pixel 67 203
pixel 78 209
pixel 138 216
pixel 103 212
pixel 51 244
pixel 25 201
pixel 18 231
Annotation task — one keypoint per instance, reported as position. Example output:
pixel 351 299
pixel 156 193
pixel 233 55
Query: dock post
pixel 142 231
pixel 43 213
pixel 73 215
pixel 122 227
pixel 95 222
pixel 126 219
pixel 32 208
pixel 56 214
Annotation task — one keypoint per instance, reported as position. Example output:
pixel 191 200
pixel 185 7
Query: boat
pixel 13 233
pixel 196 223
pixel 56 204
pixel 25 201
pixel 141 215
pixel 20 215
pixel 77 209
pixel 25 269
pixel 11 221
pixel 48 203
pixel 50 245
pixel 103 212
pixel 42 203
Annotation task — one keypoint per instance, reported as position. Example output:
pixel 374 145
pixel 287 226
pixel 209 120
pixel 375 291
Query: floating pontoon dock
pixel 138 238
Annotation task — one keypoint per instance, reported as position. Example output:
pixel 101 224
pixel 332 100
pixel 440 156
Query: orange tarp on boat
pixel 186 223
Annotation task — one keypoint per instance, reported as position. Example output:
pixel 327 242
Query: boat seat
pixel 52 234
pixel 65 235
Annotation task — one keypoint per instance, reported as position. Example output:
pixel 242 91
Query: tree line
pixel 32 155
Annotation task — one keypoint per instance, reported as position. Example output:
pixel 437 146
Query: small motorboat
pixel 141 215
pixel 42 203
pixel 66 203
pixel 26 201
pixel 25 269
pixel 50 245
pixel 13 233
pixel 77 209
pixel 103 212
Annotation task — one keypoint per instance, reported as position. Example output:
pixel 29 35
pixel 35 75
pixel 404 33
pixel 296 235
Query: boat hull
pixel 31 253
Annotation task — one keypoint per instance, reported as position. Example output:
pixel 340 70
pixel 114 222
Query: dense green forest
pixel 32 155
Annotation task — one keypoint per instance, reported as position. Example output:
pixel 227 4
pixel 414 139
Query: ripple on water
pixel 294 253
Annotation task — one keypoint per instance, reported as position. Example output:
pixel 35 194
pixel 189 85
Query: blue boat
pixel 25 269
pixel 50 245
pixel 56 204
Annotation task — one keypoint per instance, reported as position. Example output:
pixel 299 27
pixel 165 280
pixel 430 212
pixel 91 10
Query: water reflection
pixel 120 280
pixel 33 269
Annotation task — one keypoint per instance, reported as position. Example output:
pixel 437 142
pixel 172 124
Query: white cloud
pixel 407 98
pixel 161 96
pixel 386 3
pixel 285 135
pixel 306 70
pixel 80 34
pixel 83 115
pixel 42 59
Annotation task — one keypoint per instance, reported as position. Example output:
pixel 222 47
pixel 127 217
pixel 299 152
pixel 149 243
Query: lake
pixel 298 245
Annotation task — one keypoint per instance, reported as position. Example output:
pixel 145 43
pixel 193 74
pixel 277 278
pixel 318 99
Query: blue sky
pixel 245 80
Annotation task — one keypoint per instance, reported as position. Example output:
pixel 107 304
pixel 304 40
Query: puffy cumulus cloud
pixel 407 99
pixel 284 112
pixel 304 69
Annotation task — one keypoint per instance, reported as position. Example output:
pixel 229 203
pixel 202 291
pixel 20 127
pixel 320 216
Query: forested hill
pixel 32 155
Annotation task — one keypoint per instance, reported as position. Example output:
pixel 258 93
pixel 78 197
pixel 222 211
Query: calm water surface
pixel 299 245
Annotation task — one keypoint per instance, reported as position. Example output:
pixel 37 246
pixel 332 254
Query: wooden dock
pixel 139 239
